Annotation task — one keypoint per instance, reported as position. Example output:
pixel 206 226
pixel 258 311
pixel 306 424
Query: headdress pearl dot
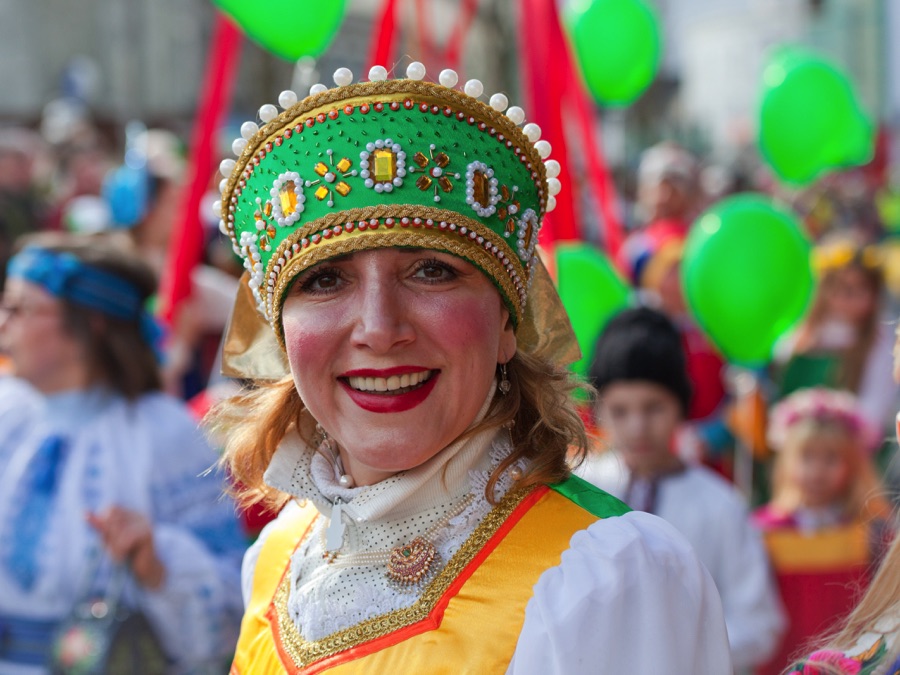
pixel 499 102
pixel 378 73
pixel 226 167
pixel 532 132
pixel 343 77
pixel 287 98
pixel 248 129
pixel 552 167
pixel 415 70
pixel 553 186
pixel 516 114
pixel 448 78
pixel 238 145
pixel 474 88
pixel 317 89
pixel 551 203
pixel 543 149
pixel 268 112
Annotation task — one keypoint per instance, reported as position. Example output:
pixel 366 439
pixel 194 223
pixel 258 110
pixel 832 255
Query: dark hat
pixel 642 344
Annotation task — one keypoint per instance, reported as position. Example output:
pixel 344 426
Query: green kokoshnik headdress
pixel 387 163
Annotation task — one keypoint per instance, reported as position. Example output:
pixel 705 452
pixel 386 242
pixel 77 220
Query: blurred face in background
pixel 820 466
pixel 34 337
pixel 640 419
pixel 851 296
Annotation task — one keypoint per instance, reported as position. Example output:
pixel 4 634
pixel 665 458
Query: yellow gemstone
pixel 445 184
pixel 268 209
pixel 385 166
pixel 480 185
pixel 504 193
pixel 270 230
pixel 342 188
pixel 442 159
pixel 510 226
pixel 321 169
pixel 423 182
pixel 420 159
pixel 529 232
pixel 288 198
pixel 322 192
pixel 344 165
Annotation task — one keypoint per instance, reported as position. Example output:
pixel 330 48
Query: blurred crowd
pixel 816 428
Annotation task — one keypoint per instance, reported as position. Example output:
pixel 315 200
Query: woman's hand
pixel 128 536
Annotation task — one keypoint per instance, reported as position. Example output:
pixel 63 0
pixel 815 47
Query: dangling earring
pixel 344 479
pixel 504 386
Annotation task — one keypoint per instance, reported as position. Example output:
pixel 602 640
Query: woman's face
pixel 394 351
pixel 33 335
pixel 820 469
pixel 850 296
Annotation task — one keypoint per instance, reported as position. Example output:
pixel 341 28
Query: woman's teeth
pixel 392 384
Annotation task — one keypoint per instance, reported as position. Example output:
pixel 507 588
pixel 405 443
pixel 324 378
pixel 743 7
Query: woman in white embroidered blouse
pixel 421 408
pixel 97 464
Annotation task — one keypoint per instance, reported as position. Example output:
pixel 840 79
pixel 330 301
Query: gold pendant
pixel 410 562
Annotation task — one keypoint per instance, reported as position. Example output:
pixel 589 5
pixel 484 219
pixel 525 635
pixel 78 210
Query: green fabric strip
pixel 592 499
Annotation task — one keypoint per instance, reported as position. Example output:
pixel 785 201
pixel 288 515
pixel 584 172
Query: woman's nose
pixel 382 319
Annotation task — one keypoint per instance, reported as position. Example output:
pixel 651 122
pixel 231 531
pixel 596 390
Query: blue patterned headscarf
pixel 66 277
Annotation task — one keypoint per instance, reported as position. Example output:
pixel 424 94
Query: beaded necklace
pixel 407 564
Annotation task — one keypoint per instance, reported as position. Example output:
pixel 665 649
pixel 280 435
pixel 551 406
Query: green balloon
pixel 747 276
pixel 592 292
pixel 810 118
pixel 288 29
pixel 617 44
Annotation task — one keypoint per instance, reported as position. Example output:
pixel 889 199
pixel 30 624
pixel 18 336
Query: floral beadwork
pixel 432 169
pixel 482 191
pixel 330 182
pixel 383 165
pixel 287 199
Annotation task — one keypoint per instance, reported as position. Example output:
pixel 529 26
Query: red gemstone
pixel 364 108
pixel 378 106
pixel 408 104
pixel 423 107
pixel 278 141
pixel 460 116
pixel 268 147
pixel 332 114
pixel 310 121
pixel 348 109
pixel 395 105
pixel 327 234
pixel 287 133
pixel 435 109
pixel 482 126
pixel 320 117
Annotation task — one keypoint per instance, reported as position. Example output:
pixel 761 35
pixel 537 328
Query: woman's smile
pixel 395 393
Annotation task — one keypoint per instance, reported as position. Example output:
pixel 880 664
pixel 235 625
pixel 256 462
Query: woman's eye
pixel 323 281
pixel 434 270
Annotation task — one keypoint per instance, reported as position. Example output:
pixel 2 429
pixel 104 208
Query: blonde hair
pixel 539 408
pixel 864 497
pixel 853 359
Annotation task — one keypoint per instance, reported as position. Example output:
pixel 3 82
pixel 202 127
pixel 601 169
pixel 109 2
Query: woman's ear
pixel 507 345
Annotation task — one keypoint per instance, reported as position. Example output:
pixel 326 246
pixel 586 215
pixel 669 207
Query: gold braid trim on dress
pixel 384 92
pixel 304 653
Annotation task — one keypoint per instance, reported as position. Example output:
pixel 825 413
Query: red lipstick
pixel 383 402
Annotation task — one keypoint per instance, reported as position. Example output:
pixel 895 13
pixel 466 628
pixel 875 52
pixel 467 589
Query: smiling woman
pixel 417 415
